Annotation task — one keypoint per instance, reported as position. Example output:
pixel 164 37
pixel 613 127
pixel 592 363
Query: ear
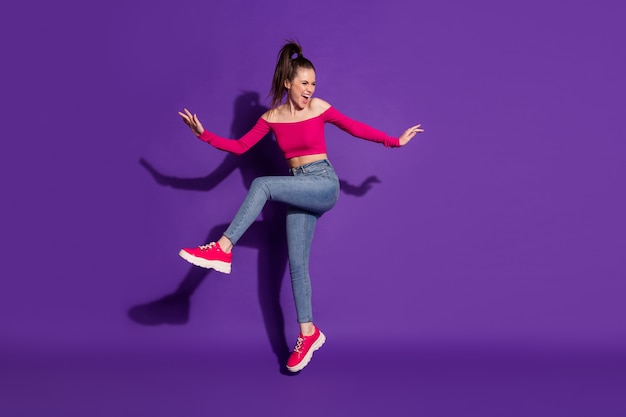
pixel 287 84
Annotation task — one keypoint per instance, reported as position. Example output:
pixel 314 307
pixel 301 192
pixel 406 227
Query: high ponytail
pixel 286 68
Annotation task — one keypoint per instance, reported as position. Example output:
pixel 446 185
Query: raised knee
pixel 259 183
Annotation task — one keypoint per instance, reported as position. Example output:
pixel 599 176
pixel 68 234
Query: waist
pixel 310 167
pixel 298 161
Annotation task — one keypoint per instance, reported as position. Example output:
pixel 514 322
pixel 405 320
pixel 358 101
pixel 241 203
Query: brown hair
pixel 286 69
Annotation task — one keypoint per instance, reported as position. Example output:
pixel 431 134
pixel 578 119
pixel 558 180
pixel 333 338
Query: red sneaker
pixel 208 256
pixel 305 346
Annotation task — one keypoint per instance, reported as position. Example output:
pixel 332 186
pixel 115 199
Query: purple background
pixel 482 273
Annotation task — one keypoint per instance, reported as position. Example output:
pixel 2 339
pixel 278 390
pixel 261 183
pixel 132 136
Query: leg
pixel 308 192
pixel 300 230
pixel 314 188
pixel 217 255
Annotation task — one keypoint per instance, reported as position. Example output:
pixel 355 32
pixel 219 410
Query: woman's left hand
pixel 409 133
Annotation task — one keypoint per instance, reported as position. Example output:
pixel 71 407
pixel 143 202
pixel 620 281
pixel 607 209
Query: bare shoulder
pixel 270 115
pixel 319 106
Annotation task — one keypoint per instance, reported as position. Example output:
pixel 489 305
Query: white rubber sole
pixel 223 267
pixel 307 358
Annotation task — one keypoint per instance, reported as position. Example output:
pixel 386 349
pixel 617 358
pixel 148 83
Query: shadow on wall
pixel 262 159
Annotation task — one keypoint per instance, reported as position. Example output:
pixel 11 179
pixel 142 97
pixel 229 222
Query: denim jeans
pixel 310 191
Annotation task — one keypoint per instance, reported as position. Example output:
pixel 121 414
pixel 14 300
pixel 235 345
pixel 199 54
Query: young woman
pixel 297 121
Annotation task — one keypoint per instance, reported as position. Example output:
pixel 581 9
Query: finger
pixel 185 118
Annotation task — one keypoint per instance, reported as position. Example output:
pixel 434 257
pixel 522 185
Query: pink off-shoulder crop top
pixel 301 138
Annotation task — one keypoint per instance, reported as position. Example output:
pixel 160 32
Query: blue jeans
pixel 311 190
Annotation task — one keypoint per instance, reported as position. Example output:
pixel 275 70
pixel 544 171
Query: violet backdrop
pixel 500 228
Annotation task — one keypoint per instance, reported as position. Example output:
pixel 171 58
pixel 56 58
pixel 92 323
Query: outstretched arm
pixel 235 146
pixel 363 131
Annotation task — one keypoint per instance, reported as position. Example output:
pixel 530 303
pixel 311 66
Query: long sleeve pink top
pixel 300 138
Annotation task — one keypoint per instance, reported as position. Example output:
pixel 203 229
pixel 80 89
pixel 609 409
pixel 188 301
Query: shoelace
pixel 298 345
pixel 207 246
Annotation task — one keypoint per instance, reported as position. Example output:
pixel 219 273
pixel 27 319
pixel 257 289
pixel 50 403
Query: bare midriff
pixel 297 161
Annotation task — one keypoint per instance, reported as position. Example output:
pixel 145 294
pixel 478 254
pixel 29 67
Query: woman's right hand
pixel 192 121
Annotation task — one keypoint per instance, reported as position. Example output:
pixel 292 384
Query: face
pixel 301 88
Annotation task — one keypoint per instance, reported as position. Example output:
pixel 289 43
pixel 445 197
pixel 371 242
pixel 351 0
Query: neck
pixel 292 108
